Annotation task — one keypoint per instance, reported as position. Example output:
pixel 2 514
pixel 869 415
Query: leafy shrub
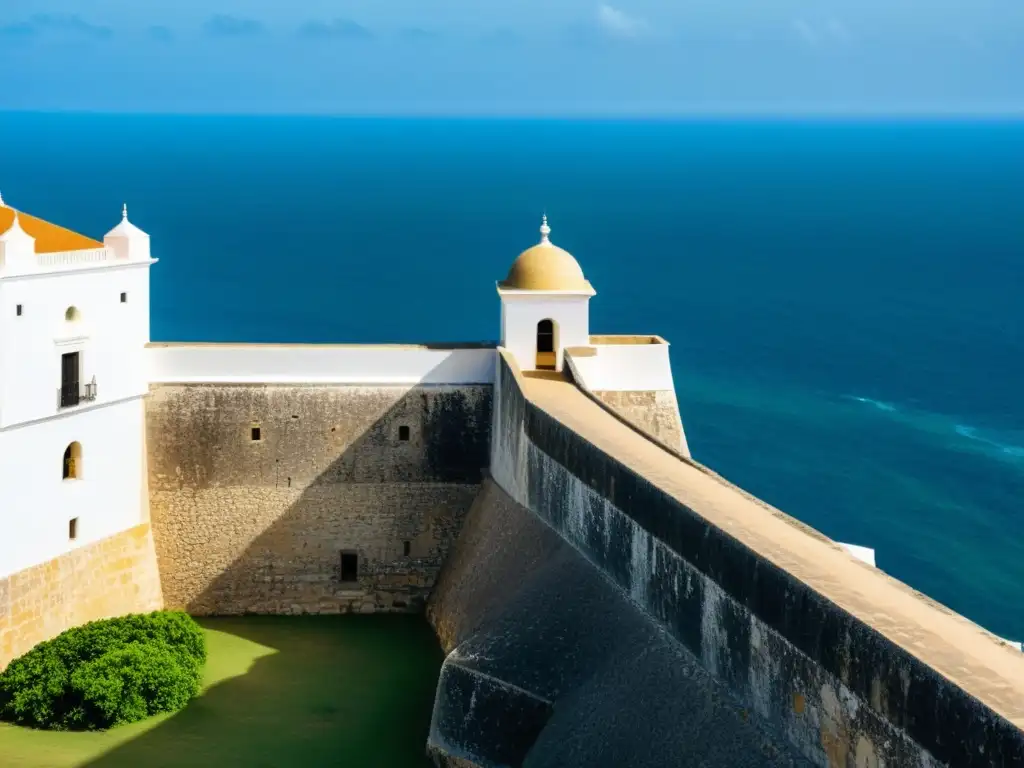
pixel 106 673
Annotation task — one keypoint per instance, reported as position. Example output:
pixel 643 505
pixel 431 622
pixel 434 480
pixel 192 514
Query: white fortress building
pixel 74 324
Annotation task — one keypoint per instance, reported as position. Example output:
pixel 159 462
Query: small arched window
pixel 73 461
pixel 545 336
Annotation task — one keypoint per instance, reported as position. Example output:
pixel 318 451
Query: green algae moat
pixel 282 692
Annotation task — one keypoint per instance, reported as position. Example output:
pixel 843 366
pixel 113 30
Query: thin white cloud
pixel 838 30
pixel 806 32
pixel 829 32
pixel 621 24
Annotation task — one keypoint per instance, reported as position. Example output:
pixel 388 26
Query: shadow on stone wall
pixel 551 665
pixel 321 692
pixel 257 492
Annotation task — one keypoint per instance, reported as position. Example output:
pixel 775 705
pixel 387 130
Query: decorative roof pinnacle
pixel 545 230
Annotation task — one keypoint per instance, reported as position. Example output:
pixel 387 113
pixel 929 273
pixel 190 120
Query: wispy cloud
pixel 161 33
pixel 222 25
pixel 338 29
pixel 805 31
pixel 837 30
pixel 620 24
pixel 829 32
pixel 60 23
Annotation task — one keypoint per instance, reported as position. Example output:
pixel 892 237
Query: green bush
pixel 106 673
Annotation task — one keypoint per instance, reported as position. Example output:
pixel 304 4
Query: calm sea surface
pixel 844 300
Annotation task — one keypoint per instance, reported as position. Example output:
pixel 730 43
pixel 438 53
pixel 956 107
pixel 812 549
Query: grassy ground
pixel 278 692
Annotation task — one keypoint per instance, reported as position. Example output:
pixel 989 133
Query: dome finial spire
pixel 124 212
pixel 545 230
pixel 2 200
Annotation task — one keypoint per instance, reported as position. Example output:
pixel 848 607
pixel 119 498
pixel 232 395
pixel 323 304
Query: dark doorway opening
pixel 70 387
pixel 349 566
pixel 546 345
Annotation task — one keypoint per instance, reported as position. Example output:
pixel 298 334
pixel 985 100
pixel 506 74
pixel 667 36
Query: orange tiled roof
pixel 49 237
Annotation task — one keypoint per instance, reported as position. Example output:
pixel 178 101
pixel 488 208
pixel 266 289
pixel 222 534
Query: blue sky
pixel 522 57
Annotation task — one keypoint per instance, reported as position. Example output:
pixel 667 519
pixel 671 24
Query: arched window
pixel 72 315
pixel 546 344
pixel 73 461
pixel 545 336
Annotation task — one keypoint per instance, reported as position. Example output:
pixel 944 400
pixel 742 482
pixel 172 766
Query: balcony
pixel 72 393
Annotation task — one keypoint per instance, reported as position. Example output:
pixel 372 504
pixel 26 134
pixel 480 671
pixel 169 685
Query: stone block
pixel 93 582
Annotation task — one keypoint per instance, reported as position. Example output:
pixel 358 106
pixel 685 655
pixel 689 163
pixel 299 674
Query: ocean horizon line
pixel 734 115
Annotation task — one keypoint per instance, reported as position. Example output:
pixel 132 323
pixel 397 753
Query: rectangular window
pixel 349 566
pixel 70 388
pixel 256 434
pixel 17 310
pixel 403 433
pixel 124 298
pixel 406 548
pixel 73 528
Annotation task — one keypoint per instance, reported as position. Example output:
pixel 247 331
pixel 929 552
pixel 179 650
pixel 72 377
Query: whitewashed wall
pixel 520 314
pixel 110 336
pixel 318 364
pixel 625 367
pixel 36 503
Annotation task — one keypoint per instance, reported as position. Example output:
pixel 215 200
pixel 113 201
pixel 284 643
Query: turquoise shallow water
pixel 843 299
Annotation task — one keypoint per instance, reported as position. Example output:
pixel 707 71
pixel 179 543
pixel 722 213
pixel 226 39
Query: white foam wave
pixel 879 404
pixel 971 433
pixel 988 441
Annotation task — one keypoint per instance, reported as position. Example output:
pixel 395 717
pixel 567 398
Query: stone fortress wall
pixel 849 666
pixel 262 487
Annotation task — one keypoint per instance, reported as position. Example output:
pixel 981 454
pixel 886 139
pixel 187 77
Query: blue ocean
pixel 845 300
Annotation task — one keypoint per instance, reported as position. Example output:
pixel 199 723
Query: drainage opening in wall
pixel 349 566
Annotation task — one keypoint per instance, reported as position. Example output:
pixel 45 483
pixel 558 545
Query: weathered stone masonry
pixel 110 577
pixel 257 490
pixel 841 692
pixel 656 413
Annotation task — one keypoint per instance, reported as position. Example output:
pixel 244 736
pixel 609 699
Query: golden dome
pixel 546 267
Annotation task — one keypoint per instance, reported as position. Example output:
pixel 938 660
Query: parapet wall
pixel 110 577
pixel 257 492
pixel 393 364
pixel 828 676
pixel 632 375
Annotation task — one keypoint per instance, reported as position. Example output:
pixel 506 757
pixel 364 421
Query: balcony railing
pixel 72 393
pixel 74 258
